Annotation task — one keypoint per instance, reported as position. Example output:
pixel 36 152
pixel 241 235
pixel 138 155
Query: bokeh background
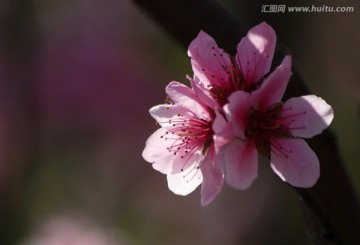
pixel 77 78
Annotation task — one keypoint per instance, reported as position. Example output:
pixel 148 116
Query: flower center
pixel 221 88
pixel 188 135
pixel 263 128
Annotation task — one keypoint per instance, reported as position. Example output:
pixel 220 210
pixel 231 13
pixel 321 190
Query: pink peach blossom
pixel 183 148
pixel 222 74
pixel 215 130
pixel 263 125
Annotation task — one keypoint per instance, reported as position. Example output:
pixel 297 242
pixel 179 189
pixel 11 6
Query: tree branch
pixel 331 205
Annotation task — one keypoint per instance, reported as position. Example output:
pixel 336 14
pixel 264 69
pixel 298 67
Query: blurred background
pixel 77 78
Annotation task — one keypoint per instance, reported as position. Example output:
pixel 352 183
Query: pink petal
pixel 208 60
pixel 306 116
pixel 237 111
pixel 183 164
pixel 294 162
pixel 273 88
pixel 222 129
pixel 202 93
pixel 185 182
pixel 186 97
pixel 241 164
pixel 163 113
pixel 155 152
pixel 255 52
pixel 213 179
pixel 179 93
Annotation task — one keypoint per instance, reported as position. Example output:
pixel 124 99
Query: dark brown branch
pixel 184 19
pixel 331 206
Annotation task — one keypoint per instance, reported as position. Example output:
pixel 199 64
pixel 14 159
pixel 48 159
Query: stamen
pixel 279 150
pixel 291 115
pixel 264 127
pixel 189 135
pixel 192 173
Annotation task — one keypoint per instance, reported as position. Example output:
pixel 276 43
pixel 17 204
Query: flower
pixel 263 125
pixel 222 74
pixel 183 148
pixel 215 130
